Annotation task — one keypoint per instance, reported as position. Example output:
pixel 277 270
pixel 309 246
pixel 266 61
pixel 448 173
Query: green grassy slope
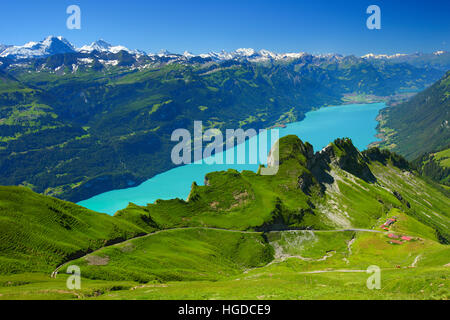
pixel 420 125
pixel 328 265
pixel 175 255
pixel 37 232
pixel 418 270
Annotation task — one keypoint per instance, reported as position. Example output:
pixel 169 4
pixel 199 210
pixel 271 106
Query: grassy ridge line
pixel 38 232
pixel 176 255
pixel 192 254
pixel 339 188
pixel 129 258
pixel 55 272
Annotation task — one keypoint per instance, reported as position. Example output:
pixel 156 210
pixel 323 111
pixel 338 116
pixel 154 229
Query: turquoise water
pixel 319 128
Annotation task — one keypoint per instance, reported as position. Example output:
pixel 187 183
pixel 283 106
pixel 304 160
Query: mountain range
pixel 58 45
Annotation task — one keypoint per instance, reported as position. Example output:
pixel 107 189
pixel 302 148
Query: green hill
pixel 38 232
pixel 420 125
pixel 179 255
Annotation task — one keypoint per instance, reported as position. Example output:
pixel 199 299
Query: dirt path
pixel 330 271
pixel 413 265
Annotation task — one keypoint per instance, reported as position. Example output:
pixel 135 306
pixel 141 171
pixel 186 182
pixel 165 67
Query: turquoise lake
pixel 320 127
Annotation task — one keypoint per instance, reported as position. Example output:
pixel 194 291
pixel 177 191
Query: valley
pixel 318 127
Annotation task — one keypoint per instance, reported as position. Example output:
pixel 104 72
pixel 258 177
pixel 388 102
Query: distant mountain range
pixel 438 60
pixel 58 45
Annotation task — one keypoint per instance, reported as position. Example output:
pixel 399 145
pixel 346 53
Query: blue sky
pixel 314 26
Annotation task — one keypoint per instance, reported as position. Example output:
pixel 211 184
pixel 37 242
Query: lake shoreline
pixel 319 127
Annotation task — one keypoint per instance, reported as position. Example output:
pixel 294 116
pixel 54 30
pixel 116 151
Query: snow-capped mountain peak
pixel 49 46
pixel 164 52
pixel 30 44
pixel 267 53
pixel 245 52
pixel 252 55
pixel 103 46
pixel 99 45
pixel 188 55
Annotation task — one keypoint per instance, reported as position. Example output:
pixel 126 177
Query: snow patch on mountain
pixel 383 56
pixel 251 55
pixel 3 47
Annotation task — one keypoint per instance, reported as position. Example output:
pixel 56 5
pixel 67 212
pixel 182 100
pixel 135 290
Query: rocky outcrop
pixel 305 181
pixel 283 218
pixel 341 153
pixel 344 155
